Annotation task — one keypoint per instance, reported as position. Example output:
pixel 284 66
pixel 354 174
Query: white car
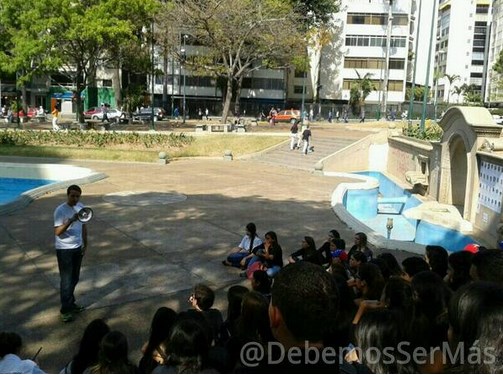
pixel 113 115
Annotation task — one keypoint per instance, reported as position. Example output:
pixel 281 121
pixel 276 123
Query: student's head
pixel 234 298
pixel 163 320
pixel 383 328
pixel 271 237
pixel 113 355
pixel 370 281
pixel 251 229
pixel 391 263
pixel 333 234
pixel 476 312
pixel 309 244
pixel 414 265
pixel 398 295
pixel 203 297
pixel 188 344
pixel 360 240
pixel 254 320
pixel 458 272
pixel 261 282
pixel 304 303
pixel 436 257
pixel 357 259
pixel 487 265
pixel 10 343
pixel 89 345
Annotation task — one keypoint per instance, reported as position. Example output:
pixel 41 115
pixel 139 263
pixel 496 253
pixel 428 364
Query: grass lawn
pixel 210 145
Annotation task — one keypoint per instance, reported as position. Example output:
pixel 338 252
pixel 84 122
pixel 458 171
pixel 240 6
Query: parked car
pixel 287 115
pixel 92 112
pixel 145 114
pixel 96 113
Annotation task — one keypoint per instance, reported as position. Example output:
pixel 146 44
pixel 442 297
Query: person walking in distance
pixel 55 117
pixel 306 138
pixel 294 135
pixel 71 243
pixel 362 115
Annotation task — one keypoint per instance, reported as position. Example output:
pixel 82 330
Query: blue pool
pixel 12 188
pixel 375 206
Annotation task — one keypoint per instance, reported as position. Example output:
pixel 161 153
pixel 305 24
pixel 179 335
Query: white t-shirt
pixel 72 237
pixel 245 242
pixel 12 364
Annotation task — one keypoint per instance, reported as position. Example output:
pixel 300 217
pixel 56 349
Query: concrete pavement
pixel 157 231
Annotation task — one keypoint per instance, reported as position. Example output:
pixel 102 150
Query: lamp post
pixel 427 80
pixel 412 94
pixel 152 126
pixel 183 54
pixel 386 66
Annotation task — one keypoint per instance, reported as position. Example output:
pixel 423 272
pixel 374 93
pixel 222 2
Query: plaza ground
pixel 148 245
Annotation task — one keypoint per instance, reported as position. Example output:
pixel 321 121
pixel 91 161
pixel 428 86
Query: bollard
pixel 163 158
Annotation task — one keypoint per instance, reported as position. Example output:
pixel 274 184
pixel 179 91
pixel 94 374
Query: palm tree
pixel 359 91
pixel 458 91
pixel 451 78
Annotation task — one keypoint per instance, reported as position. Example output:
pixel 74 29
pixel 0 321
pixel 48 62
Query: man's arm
pixel 59 230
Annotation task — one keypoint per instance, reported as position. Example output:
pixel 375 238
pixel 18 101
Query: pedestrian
pixel 306 138
pixel 345 115
pixel 55 118
pixel 71 244
pixel 176 113
pixel 294 135
pixel 337 114
pixel 104 110
pixel 362 115
pixel 200 113
pixel 311 114
pixel 207 113
pixel 330 116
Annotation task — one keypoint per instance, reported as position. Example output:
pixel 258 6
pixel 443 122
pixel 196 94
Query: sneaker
pixel 67 317
pixel 77 308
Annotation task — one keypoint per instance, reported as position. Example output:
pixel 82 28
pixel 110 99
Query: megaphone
pixel 85 214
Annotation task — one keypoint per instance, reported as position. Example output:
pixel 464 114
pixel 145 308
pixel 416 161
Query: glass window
pixel 298 89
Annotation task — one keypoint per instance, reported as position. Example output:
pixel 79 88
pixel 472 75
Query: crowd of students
pixel 328 310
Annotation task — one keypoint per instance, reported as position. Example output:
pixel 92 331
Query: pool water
pixel 12 188
pixel 374 207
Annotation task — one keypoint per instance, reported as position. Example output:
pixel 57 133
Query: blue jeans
pixel 69 261
pixel 235 258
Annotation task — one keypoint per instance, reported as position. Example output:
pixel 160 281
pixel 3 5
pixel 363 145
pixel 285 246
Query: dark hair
pixel 311 250
pixel 10 343
pixel 234 298
pixel 363 239
pixel 253 324
pixel 394 268
pixel 188 345
pixel 437 259
pixel 74 188
pixel 89 347
pixel 414 265
pixel 252 228
pixel 113 355
pixel 398 295
pixel 339 243
pixel 383 329
pixel 489 265
pixel 476 310
pixel 263 282
pixel 272 235
pixel 204 296
pixel 308 299
pixel 460 263
pixel 163 320
pixel 432 298
pixel 359 257
pixel 334 233
pixel 371 274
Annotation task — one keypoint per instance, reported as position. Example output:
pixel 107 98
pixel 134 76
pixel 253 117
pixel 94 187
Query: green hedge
pixel 92 139
pixel 432 131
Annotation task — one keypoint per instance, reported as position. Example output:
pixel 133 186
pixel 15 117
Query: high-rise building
pixel 494 91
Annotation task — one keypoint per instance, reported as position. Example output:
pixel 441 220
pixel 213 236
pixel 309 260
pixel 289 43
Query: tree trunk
pixel 116 82
pixel 237 104
pixel 165 82
pixel 228 99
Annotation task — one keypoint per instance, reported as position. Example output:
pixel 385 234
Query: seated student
pixel 392 265
pixel 270 255
pixel 458 271
pixel 324 250
pixel 242 254
pixel 436 257
pixel 487 265
pixel 369 283
pixel 261 283
pixel 355 261
pixel 235 296
pixel 361 245
pixel 303 309
pixel 202 299
pixel 414 265
pixel 163 320
pixel 307 252
pixel 10 362
pixel 113 356
pixel 87 355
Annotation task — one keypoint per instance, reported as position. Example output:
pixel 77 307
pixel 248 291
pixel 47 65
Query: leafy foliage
pixel 92 139
pixel 359 92
pixel 432 131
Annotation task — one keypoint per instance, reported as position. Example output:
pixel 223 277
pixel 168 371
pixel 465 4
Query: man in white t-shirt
pixel 71 243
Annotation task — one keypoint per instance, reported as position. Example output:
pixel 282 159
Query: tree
pixel 451 78
pixel 237 37
pixel 70 37
pixel 359 91
pixel 458 90
pixel 317 12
